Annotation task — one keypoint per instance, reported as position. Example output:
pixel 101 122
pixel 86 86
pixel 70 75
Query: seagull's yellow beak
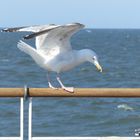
pixel 99 68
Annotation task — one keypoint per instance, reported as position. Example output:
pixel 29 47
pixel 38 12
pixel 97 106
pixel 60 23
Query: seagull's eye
pixel 93 58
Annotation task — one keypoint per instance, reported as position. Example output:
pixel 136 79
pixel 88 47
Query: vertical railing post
pixel 30 119
pixel 21 118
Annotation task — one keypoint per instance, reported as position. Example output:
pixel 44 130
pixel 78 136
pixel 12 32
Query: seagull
pixel 53 50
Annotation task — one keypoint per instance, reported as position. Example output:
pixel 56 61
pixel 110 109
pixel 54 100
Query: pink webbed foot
pixel 68 89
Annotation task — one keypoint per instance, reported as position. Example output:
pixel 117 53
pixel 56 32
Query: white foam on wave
pixel 125 107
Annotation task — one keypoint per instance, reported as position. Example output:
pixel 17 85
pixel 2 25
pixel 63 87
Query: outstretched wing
pixel 16 29
pixel 58 36
pixel 35 29
pixel 49 36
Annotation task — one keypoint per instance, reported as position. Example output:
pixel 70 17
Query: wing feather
pixel 35 28
pixel 59 36
pixel 50 36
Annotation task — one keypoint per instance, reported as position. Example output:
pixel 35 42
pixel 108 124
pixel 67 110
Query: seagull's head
pixel 92 57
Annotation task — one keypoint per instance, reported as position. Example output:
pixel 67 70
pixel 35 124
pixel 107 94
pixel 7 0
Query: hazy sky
pixel 92 13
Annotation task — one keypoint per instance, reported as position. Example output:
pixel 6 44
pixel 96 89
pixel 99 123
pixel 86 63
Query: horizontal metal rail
pixel 78 92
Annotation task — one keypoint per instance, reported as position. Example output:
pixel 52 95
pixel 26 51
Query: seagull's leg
pixel 69 89
pixel 49 83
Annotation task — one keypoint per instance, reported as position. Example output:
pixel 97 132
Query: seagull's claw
pixel 69 89
pixel 54 88
pixel 50 86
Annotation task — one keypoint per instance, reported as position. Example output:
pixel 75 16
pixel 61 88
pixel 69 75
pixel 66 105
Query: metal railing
pixel 78 92
pixel 47 92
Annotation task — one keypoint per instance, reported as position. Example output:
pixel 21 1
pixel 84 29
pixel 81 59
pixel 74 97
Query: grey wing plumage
pixel 67 26
pixel 35 28
pixel 16 29
pixel 38 33
pixel 57 36
pixel 48 36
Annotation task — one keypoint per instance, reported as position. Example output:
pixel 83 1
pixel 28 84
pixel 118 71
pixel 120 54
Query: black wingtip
pixel 25 38
pixel 28 36
pixel 16 29
pixel 9 30
pixel 5 30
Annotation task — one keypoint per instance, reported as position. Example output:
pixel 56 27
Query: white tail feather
pixel 32 52
pixel 25 47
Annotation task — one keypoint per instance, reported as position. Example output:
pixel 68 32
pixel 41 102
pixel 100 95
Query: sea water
pixel 119 54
